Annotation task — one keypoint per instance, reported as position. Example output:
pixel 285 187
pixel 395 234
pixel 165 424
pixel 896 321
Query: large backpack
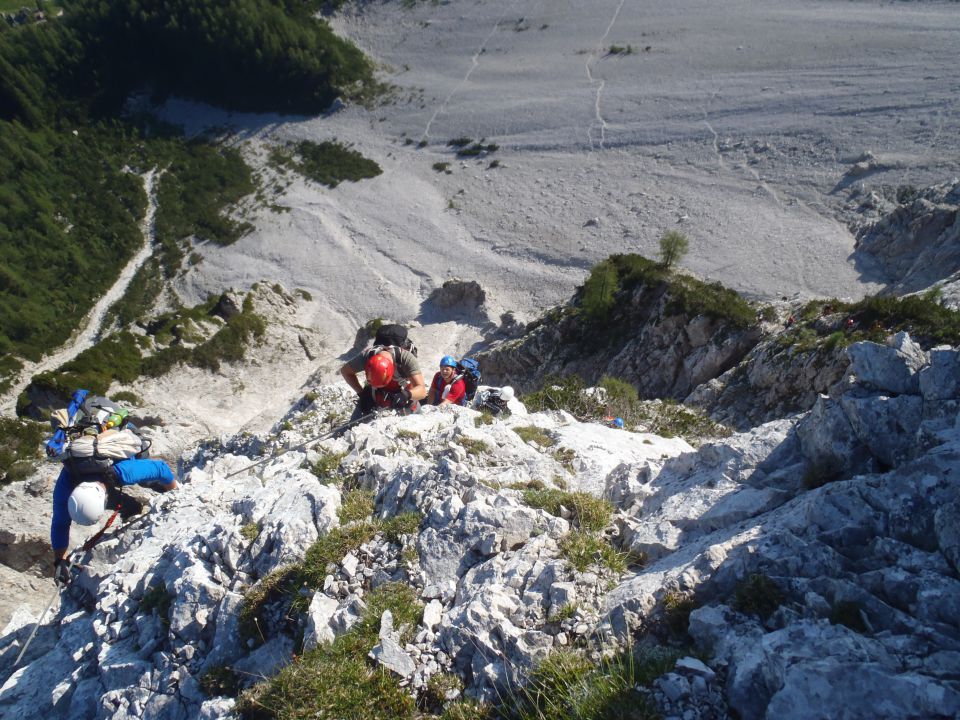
pixel 469 370
pixel 394 335
pixel 100 435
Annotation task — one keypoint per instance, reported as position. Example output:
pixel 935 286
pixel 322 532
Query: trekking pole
pixel 302 445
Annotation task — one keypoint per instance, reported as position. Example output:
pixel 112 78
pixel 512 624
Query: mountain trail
pixel 91 326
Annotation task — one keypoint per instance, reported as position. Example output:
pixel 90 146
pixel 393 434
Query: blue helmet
pixel 618 423
pixel 448 361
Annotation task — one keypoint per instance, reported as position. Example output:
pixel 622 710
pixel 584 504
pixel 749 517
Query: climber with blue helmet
pixel 448 387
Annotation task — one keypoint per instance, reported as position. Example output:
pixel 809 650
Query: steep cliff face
pixel 916 239
pixel 661 349
pixel 774 380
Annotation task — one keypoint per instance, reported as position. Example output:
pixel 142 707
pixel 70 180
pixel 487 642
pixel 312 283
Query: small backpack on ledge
pixel 469 369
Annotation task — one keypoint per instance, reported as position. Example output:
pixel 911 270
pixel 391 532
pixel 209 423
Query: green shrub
pixel 356 505
pixel 565 456
pixel 282 581
pixel 196 187
pixel 127 398
pixel 677 607
pixel 332 547
pixel 477 149
pixel 406 523
pixel 118 357
pixel 758 595
pixel 250 531
pixel 157 598
pixel 472 446
pixel 373 326
pixel 438 686
pixel 566 393
pixel 485 418
pixel 694 297
pixel 443 167
pixel 327 466
pixel 598 295
pixel 673 246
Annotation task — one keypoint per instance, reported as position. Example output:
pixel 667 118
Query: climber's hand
pixel 61 572
pixel 400 399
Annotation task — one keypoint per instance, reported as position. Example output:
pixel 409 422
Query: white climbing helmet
pixel 87 502
pixel 506 392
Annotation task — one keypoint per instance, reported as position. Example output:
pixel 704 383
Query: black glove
pixel 61 572
pixel 400 399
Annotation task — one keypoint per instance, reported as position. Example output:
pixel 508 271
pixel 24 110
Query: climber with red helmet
pixel 393 379
pixel 448 387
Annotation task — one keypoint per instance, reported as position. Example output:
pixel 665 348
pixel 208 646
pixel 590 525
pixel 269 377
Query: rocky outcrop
pixel 864 567
pixel 917 241
pixel 774 380
pixel 662 352
pixel 456 299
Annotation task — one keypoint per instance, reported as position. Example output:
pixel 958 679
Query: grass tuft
pixel 327 467
pixel 220 681
pixel 589 513
pixel 356 505
pixel 585 549
pixel 567 686
pixel 336 681
pixel 531 433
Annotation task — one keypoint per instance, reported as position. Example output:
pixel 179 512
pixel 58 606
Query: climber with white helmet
pixel 392 373
pixel 101 453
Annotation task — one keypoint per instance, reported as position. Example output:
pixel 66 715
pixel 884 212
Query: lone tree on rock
pixel 673 246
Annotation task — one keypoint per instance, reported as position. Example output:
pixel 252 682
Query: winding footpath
pixel 90 328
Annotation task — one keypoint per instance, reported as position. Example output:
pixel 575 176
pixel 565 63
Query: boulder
pixel 889 368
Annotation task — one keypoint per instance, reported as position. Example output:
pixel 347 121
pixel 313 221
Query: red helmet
pixel 379 370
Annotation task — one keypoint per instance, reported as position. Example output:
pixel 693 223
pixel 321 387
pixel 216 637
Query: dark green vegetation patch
pixel 328 163
pixel 612 281
pixel 824 323
pixel 69 205
pixel 19 447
